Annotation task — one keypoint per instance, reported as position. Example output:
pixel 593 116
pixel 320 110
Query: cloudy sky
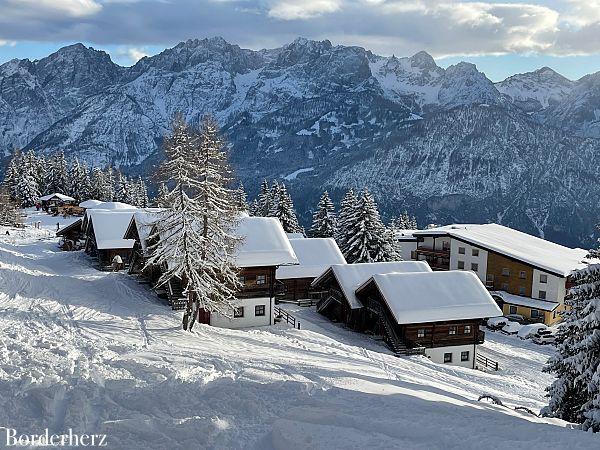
pixel 501 37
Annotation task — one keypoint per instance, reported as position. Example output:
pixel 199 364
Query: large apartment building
pixel 527 275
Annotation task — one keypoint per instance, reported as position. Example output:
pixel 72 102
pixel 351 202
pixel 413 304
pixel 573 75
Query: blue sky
pixel 501 37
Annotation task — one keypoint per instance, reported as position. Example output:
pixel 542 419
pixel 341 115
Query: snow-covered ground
pixel 97 352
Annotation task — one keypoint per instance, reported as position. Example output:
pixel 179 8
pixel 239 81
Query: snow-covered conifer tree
pixel 196 240
pixel 27 188
pixel 282 207
pixel 108 185
pixel 123 189
pixel 141 193
pixel 274 197
pixel 323 225
pixel 367 235
pixel 79 181
pixel 162 196
pixel 13 173
pixel 56 173
pixel 575 394
pixel 264 200
pixel 345 221
pixel 241 198
pixel 253 208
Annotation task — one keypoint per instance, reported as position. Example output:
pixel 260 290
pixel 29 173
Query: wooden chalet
pixel 264 248
pixel 53 202
pixel 72 236
pixel 315 255
pixel 104 231
pixel 438 312
pixel 335 288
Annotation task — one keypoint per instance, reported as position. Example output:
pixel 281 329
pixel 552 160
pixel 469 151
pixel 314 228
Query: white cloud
pixel 295 9
pixel 7 43
pixel 71 8
pixel 132 54
pixel 442 27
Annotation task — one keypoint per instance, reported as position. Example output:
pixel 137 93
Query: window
pixel 452 329
pixel 261 279
pixel 460 265
pixel 447 357
pixel 259 310
pixel 543 278
pixel 461 250
pixel 522 275
pixel 467 329
pixel 535 314
pixel 242 279
pixel 505 287
pixel 521 290
pixel 506 271
pixel 238 312
pixel 542 295
pixel 475 252
pixel 474 267
pixel 464 356
pixel 421 333
pixel 489 277
pixel 512 309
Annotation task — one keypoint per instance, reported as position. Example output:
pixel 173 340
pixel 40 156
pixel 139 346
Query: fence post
pixel 298 325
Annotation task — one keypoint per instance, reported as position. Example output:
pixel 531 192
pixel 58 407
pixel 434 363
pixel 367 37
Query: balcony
pixel 439 253
pixel 438 259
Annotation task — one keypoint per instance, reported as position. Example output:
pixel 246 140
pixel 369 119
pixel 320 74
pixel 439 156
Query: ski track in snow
pixel 99 353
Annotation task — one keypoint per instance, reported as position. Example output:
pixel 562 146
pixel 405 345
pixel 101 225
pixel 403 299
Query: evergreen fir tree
pixel 575 394
pixel 195 233
pixel 323 225
pixel 274 197
pixel 56 173
pixel 264 200
pixel 162 196
pixel 345 221
pixel 282 207
pixel 13 173
pixel 241 198
pixel 141 194
pixel 108 185
pixel 123 189
pixel 254 208
pixel 97 184
pixel 27 190
pixel 80 183
pixel 367 235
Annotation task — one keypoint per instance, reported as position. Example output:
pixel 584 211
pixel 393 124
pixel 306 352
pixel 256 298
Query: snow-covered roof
pixel 435 296
pixel 529 302
pixel 64 198
pixel 315 256
pixel 144 219
pixel 351 276
pixel 295 235
pixel 405 235
pixel 114 205
pixel 72 225
pixel 110 227
pixel 90 203
pixel 264 243
pixel 524 247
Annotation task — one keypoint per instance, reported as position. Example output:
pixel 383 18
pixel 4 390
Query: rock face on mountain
pixel 446 144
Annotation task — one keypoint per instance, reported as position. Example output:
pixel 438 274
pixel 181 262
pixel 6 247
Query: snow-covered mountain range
pixel 446 144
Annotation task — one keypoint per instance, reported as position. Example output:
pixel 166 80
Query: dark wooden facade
pixel 377 317
pixel 104 256
pixel 332 303
pixel 71 236
pixel 297 288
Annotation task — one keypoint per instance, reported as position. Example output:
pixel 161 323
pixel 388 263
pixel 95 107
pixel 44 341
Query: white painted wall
pixel 468 258
pixel 406 247
pixel 437 354
pixel 555 287
pixel 249 319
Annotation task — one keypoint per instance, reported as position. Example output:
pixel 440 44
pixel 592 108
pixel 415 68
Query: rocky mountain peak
pixel 423 60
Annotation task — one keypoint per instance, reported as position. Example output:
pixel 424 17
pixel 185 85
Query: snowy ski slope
pixel 97 352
